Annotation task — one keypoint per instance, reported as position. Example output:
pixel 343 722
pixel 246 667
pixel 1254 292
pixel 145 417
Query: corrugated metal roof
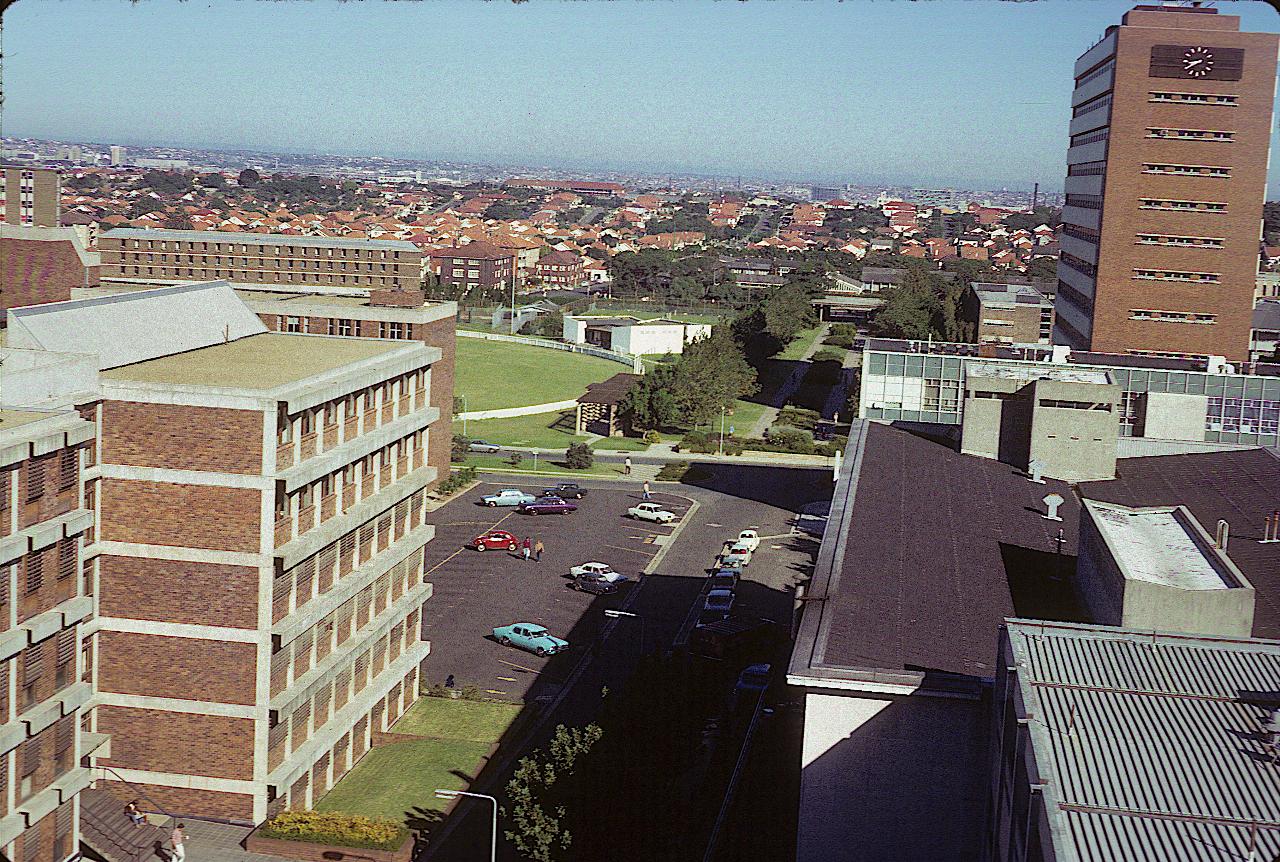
pixel 1151 741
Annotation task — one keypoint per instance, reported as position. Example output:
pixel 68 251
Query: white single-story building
pixel 632 335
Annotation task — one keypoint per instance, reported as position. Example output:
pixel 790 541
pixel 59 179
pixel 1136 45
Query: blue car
pixel 508 497
pixel 531 637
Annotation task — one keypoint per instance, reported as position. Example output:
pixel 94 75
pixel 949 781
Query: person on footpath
pixel 645 492
pixel 537 551
pixel 178 838
pixel 526 548
pixel 627 465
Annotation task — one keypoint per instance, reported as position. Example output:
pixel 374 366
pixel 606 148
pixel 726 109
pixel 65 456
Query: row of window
pixel 1177 275
pixel 1091 106
pixel 1211 135
pixel 1090 137
pixel 257 276
pixel 1182 206
pixel 1078 231
pixel 1087 169
pixel 256 249
pixel 1081 266
pixel 1218 171
pixel 1179 241
pixel 364 405
pixel 1101 70
pixel 1063 404
pixel 1193 98
pixel 1089 202
pixel 263 265
pixel 1172 316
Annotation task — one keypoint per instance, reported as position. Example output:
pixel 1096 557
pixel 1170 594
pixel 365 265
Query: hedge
pixel 339 830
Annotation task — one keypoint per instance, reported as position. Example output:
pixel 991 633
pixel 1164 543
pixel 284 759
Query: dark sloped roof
pixel 1240 487
pixel 610 391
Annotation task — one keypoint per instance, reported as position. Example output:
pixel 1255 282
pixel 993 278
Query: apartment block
pixel 473 268
pixel 258 553
pixel 1166 174
pixel 30 196
pixel 1009 314
pixel 42 264
pixel 326 264
pixel 45 604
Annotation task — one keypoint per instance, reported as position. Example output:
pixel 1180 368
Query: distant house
pixel 878 278
pixel 561 269
pixel 626 334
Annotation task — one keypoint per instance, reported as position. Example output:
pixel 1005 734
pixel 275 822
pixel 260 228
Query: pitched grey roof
pixel 133 327
pixel 1148 746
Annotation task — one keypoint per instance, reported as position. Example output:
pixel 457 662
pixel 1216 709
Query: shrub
pixel 798 417
pixel 652 437
pixel 459 451
pixel 578 457
pixel 456 480
pixel 515 459
pixel 340 830
pixel 791 440
pixel 825 355
pixel 673 471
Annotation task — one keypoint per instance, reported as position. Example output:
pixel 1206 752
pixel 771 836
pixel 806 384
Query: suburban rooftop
pixel 256 362
pixel 256 238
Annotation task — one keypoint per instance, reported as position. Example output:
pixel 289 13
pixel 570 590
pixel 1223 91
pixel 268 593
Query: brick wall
pixel 192 516
pixel 184 668
pixel 182 438
pixel 38 271
pixel 184 743
pixel 177 591
pixel 441 334
pixel 181 801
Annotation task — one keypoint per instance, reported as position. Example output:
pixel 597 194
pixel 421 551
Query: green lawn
pixel 800 344
pixel 620 444
pixel 494 374
pixel 541 430
pixel 392 780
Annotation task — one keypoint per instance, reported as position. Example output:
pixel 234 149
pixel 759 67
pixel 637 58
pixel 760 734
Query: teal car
pixel 531 637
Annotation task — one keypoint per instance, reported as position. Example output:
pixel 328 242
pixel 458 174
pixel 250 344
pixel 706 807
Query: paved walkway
pixel 787 389
pixel 207 842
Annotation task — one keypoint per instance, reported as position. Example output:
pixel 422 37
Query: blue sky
pixel 949 92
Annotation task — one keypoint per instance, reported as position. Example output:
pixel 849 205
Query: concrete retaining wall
pixel 508 412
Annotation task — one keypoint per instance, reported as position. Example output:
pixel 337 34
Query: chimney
pixel 1221 536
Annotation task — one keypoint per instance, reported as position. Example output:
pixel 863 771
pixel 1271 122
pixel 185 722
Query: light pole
pixel 615 614
pixel 464 415
pixel 493 843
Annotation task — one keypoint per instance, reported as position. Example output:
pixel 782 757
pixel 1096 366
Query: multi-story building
pixel 560 269
pixel 1166 173
pixel 45 603
pixel 473 268
pixel 1009 314
pixel 258 551
pixel 119 156
pixel 301 263
pixel 42 264
pixel 30 197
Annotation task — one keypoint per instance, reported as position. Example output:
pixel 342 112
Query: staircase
pixel 109 832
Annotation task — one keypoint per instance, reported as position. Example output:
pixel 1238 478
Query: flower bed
pixel 337 830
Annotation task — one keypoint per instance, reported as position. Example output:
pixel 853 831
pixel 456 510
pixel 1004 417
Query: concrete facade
pixel 30 197
pixel 1009 314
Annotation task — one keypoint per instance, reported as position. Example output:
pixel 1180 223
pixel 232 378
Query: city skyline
pixel 689 101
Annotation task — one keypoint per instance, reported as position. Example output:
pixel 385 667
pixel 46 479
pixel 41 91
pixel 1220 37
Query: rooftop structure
pixel 1112 744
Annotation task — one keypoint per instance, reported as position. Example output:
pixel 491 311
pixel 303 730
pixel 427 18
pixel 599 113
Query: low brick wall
pixel 309 852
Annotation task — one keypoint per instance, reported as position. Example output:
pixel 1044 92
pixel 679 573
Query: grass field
pixel 800 344
pixel 392 780
pixel 495 374
pixel 542 430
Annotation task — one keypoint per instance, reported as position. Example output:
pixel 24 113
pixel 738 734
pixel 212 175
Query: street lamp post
pixel 464 415
pixel 722 429
pixel 493 843
pixel 615 614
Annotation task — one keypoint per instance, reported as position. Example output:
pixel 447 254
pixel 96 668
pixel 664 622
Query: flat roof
pixel 249 238
pixel 257 362
pixel 1241 487
pixel 1156 546
pixel 926 552
pixel 998 371
pixel 1149 742
pixel 13 418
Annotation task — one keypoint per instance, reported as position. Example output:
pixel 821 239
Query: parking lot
pixel 475 591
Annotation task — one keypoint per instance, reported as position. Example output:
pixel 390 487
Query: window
pixel 1212 135
pixel 308 422
pixel 1179 241
pixel 1173 316
pixel 32 669
pixel 1074 405
pixel 34 580
pixel 1194 98
pixel 284 426
pixel 342 326
pixel 1179 206
pixel 64 666
pixel 1090 137
pixel 393 329
pixel 294 324
pixel 35 480
pixel 66 558
pixel 1087 169
pixel 1079 265
pixel 1177 275
pixel 1092 202
pixel 1214 171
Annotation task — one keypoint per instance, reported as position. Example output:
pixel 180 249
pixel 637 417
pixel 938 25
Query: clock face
pixel 1197 62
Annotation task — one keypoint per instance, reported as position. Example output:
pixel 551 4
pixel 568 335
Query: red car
pixel 499 539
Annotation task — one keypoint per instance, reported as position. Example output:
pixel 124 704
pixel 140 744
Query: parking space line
pixel 629 550
pixel 517 666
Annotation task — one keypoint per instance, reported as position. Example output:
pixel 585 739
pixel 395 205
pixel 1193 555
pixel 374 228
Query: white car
pixel 603 571
pixel 651 512
pixel 737 554
pixel 750 538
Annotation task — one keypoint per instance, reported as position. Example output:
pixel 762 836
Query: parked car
pixel 495 539
pixel 530 636
pixel 483 446
pixel 750 538
pixel 737 554
pixel 507 497
pixel 548 506
pixel 716 606
pixel 651 512
pixel 596 570
pixel 595 584
pixel 823 432
pixel 566 491
pixel 725 579
pixel 751 682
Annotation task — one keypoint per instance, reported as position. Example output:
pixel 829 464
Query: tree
pixel 904 315
pixel 712 373
pixel 143 205
pixel 1043 267
pixel 248 178
pixel 213 181
pixel 537 827
pixel 178 221
pixel 1271 221
pixel 578 457
pixel 649 404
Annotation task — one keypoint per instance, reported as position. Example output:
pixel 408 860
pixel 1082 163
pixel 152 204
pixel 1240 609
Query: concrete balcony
pixel 44 625
pixel 43 534
pixel 44 714
pixel 331 460
pixel 30 812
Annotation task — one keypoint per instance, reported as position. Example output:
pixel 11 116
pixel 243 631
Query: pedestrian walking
pixel 134 814
pixel 178 838
pixel 537 552
pixel 644 492
pixel 627 466
pixel 526 548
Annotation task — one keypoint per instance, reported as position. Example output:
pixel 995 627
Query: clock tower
pixel 1166 175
